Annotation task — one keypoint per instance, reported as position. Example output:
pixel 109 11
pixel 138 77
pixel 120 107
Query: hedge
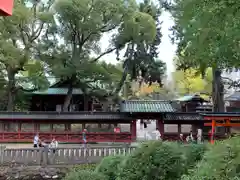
pixel 154 160
pixel 85 175
pixel 109 166
pixel 193 153
pixel 220 162
pixel 90 167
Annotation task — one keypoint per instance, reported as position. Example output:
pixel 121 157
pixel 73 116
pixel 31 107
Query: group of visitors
pixel 37 142
pixel 189 139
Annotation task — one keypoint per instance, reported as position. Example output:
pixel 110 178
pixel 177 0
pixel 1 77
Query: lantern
pixel 6 7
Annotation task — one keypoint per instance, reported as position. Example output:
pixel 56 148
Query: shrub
pixel 84 175
pixel 193 153
pixel 221 162
pixel 109 166
pixel 154 160
pixel 90 167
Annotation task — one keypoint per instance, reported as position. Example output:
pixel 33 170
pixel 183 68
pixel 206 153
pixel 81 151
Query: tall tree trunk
pixel 68 97
pixel 217 91
pixel 11 89
pixel 121 83
pixel 218 96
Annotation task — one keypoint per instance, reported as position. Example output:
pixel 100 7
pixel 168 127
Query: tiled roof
pixel 146 106
pixel 185 117
pixel 64 115
pixel 58 91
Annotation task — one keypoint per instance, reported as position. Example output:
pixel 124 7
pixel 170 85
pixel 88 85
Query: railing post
pixel 44 156
pixel 2 148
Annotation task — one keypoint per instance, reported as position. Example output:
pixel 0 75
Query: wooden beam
pixel 223 124
pixel 221 118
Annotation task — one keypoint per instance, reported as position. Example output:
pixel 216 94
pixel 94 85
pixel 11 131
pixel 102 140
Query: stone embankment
pixel 32 173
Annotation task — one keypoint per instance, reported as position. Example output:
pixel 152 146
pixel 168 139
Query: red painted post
pixel 19 129
pixel 134 130
pixel 212 132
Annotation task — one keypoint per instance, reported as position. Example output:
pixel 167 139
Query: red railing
pixel 65 137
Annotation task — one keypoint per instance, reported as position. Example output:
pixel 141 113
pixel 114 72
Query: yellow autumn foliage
pixel 189 82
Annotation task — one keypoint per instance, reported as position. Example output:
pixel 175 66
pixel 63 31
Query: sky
pixel 166 48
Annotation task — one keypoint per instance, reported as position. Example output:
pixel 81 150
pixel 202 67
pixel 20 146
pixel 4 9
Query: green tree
pixel 207 36
pixel 140 59
pixel 81 24
pixel 18 35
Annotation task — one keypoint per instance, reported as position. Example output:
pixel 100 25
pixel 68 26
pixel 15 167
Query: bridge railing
pixel 58 156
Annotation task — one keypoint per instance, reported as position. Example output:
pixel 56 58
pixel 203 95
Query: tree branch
pixel 101 55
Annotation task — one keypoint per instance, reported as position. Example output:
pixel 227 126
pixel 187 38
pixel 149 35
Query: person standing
pixel 157 134
pixel 84 136
pixel 36 140
pixel 199 136
pixel 53 145
pixel 181 140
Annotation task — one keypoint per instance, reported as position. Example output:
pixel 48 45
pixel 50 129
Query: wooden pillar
pixel 160 126
pixel 213 131
pixel 19 128
pixel 179 128
pixel 85 102
pixel 133 130
pixel 194 130
pixel 36 128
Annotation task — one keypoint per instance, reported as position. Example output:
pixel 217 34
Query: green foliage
pixel 109 166
pixel 190 81
pixel 220 162
pixel 84 175
pixel 62 39
pixel 18 36
pixel 89 167
pixel 206 39
pixel 193 153
pixel 81 24
pixel 142 51
pixel 153 160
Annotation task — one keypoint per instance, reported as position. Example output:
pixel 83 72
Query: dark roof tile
pixel 183 117
pixel 146 106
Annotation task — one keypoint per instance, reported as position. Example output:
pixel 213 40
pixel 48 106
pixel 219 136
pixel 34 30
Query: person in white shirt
pixel 158 134
pixel 53 144
pixel 36 140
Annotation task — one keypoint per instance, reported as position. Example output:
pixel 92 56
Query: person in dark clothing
pixel 145 125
